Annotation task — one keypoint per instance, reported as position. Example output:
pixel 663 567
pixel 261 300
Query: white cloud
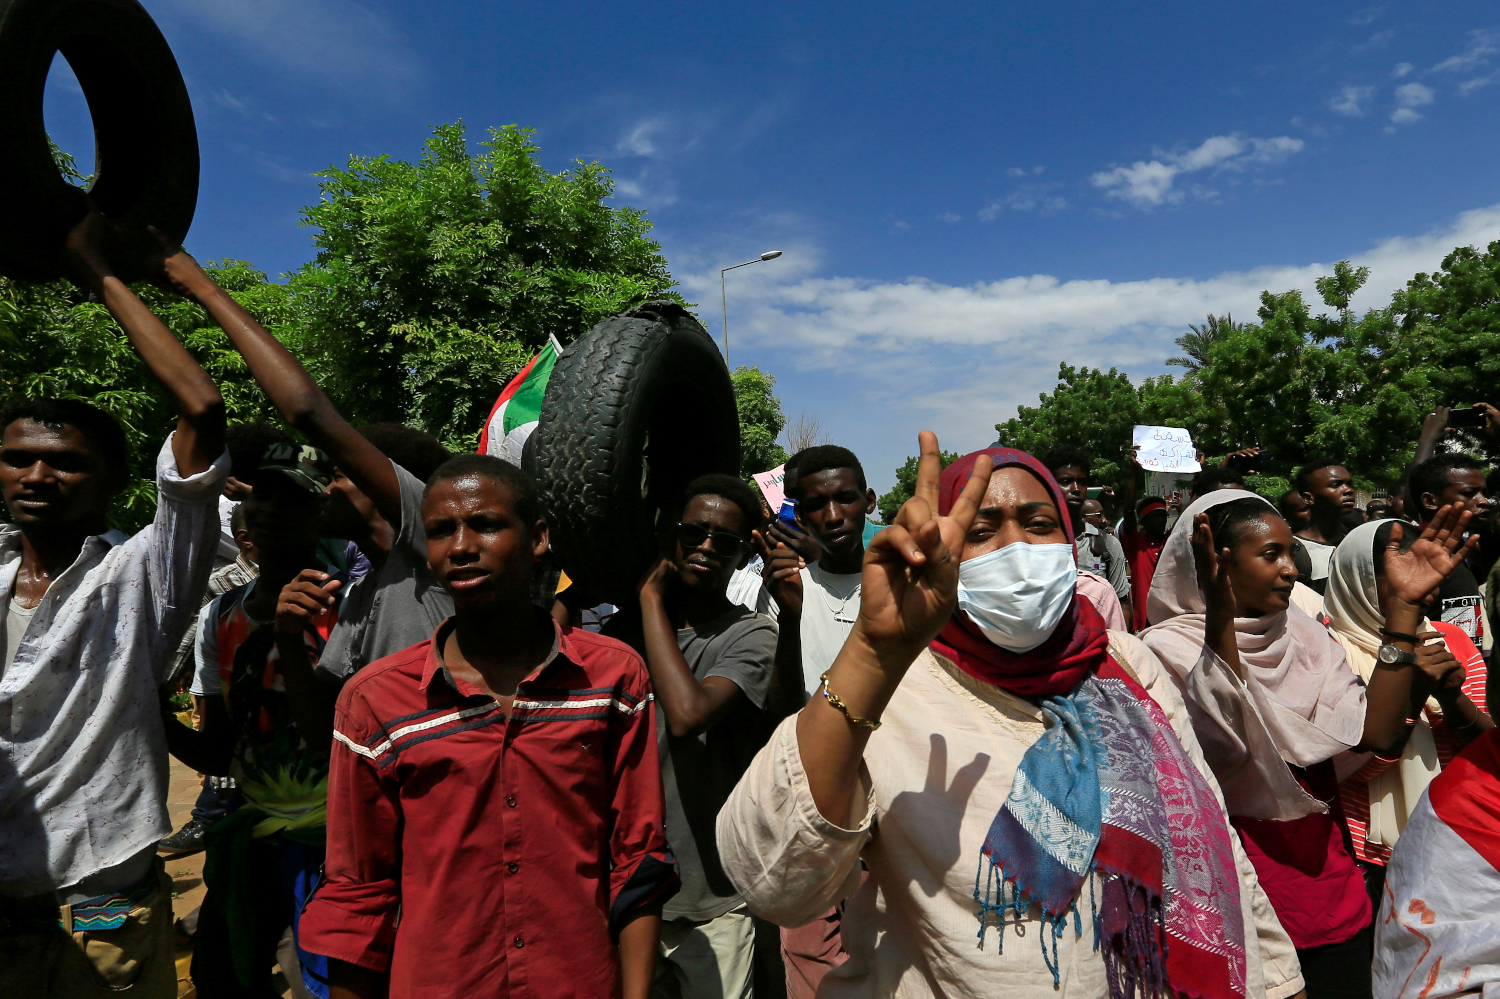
pixel 637 142
pixel 1413 95
pixel 1402 69
pixel 1483 43
pixel 1351 100
pixel 1410 96
pixel 1147 184
pixel 950 217
pixel 1026 198
pixel 342 41
pixel 1469 86
pixel 1023 172
pixel 917 353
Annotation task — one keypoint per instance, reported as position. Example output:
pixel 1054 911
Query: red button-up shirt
pixel 512 848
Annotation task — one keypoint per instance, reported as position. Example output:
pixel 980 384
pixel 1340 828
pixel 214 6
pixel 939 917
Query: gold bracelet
pixel 838 702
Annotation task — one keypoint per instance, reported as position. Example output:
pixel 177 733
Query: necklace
pixel 840 609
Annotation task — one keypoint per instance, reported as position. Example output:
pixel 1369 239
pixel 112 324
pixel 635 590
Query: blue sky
pixel 964 197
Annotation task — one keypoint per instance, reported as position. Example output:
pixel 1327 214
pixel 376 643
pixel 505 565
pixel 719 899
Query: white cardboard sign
pixel 1165 449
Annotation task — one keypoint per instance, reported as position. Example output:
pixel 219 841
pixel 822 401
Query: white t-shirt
pixel 830 604
pixel 1320 555
pixel 16 621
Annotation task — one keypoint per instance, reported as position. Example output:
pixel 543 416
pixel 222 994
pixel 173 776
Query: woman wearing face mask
pixel 1273 701
pixel 1032 820
pixel 1379 792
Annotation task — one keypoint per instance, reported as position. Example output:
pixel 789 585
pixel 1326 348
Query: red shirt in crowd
pixel 475 854
pixel 1142 554
pixel 1354 792
pixel 1315 887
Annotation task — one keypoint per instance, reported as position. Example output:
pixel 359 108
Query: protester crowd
pixel 1032 738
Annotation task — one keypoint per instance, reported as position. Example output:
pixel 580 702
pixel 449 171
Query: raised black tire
pixel 636 409
pixel 146 145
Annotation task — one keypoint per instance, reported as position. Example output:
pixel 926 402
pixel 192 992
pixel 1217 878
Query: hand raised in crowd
pixel 1244 452
pixel 85 254
pixel 653 584
pixel 174 269
pixel 302 600
pixel 1491 428
pixel 782 571
pixel 1411 575
pixel 1212 564
pixel 909 585
pixel 797 540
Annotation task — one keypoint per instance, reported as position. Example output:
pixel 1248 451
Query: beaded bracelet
pixel 838 702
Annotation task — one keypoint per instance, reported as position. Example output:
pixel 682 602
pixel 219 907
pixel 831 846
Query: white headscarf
pixel 1299 703
pixel 1352 604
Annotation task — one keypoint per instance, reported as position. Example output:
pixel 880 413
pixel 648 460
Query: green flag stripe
pixel 526 405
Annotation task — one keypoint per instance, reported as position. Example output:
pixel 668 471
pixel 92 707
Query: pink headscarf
pixel 1078 646
pixel 1300 703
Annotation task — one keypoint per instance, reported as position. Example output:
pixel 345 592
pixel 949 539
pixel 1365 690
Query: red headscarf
pixel 1077 648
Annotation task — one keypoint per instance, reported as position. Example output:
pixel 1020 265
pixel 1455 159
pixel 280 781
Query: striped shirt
pixel 1354 792
pixel 509 849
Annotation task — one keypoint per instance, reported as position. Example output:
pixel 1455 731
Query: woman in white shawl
pixel 1379 792
pixel 1273 702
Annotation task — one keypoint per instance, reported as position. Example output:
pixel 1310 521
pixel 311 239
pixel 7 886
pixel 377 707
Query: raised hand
pixel 1212 564
pixel 910 577
pixel 782 572
pixel 302 600
pixel 654 582
pixel 1411 575
pixel 171 267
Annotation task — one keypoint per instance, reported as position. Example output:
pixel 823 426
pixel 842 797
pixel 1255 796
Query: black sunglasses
pixel 725 542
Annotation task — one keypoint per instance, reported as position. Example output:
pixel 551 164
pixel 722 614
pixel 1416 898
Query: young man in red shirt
pixel 495 797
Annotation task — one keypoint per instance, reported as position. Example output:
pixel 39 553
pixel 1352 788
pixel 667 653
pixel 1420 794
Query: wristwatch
pixel 1392 656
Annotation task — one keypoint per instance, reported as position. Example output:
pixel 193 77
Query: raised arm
pixel 691 705
pixel 200 408
pixel 289 387
pixel 1128 523
pixel 908 589
pixel 782 576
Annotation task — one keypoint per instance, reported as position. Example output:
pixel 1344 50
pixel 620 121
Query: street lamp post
pixel 724 300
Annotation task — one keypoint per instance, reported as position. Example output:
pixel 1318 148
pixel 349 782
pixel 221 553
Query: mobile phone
pixel 788 514
pixel 1473 416
pixel 1248 464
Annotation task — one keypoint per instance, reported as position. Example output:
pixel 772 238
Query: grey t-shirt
pixel 698 771
pixel 394 607
pixel 1110 565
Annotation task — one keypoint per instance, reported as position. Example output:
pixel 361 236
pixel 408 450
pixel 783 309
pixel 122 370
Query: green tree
pixel 57 343
pixel 1197 343
pixel 436 280
pixel 906 485
pixel 433 284
pixel 761 420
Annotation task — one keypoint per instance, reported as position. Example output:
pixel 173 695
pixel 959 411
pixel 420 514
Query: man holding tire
pixel 91 622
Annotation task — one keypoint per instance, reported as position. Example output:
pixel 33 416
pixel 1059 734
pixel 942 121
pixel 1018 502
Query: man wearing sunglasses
pixel 710 661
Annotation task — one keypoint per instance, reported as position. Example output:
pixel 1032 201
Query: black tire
pixel 146 145
pixel 635 410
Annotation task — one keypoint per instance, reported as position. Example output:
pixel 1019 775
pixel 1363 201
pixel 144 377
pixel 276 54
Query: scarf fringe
pixel 1131 930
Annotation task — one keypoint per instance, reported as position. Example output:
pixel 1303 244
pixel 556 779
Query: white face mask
pixel 1017 594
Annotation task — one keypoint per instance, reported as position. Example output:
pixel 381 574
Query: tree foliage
pixel 433 284
pixel 1304 385
pixel 761 420
pixel 906 485
pixel 436 280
